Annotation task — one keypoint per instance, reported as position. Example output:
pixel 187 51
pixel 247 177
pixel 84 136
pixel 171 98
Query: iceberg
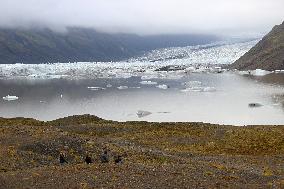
pixel 10 98
pixel 192 89
pixel 96 88
pixel 162 86
pixel 209 89
pixel 148 83
pixel 199 89
pixel 259 72
pixel 142 113
pixel 122 87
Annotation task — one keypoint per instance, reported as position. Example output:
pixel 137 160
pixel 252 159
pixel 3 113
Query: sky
pixel 226 17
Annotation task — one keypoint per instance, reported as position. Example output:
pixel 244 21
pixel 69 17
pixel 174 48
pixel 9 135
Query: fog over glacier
pixel 146 16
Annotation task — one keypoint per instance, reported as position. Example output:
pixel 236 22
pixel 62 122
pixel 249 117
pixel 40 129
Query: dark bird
pixel 105 157
pixel 88 159
pixel 118 159
pixel 62 158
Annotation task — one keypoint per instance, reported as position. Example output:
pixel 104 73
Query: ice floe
pixel 142 113
pixel 122 87
pixel 148 83
pixel 96 88
pixel 199 89
pixel 257 72
pixel 163 86
pixel 10 98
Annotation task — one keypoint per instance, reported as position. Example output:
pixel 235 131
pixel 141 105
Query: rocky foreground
pixel 153 155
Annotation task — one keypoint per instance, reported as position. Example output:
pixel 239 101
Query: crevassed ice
pixel 220 53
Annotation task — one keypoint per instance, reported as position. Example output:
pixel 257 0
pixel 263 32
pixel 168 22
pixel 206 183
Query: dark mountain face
pixel 268 54
pixel 81 44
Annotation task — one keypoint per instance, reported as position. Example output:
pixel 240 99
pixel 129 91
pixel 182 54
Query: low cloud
pixel 146 16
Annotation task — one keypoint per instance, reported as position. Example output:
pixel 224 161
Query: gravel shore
pixel 152 155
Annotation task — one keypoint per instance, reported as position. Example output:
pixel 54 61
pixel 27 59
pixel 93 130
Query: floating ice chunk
pixel 10 98
pixel 260 72
pixel 209 89
pixel 122 87
pixel 189 69
pixel 257 72
pixel 193 89
pixel 96 88
pixel 162 86
pixel 202 70
pixel 148 83
pixel 141 113
pixel 199 89
pixel 217 69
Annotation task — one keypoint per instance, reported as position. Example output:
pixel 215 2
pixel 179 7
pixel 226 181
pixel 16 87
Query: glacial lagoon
pixel 187 98
pixel 157 87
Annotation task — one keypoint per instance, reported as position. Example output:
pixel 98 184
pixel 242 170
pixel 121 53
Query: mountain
pixel 268 54
pixel 83 44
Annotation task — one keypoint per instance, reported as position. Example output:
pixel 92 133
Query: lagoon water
pixel 226 103
pixel 117 91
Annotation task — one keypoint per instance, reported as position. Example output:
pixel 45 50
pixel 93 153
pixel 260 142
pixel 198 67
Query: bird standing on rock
pixel 62 158
pixel 104 157
pixel 88 159
pixel 118 159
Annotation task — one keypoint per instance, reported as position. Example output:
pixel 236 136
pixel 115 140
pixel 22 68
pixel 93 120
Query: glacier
pixel 198 58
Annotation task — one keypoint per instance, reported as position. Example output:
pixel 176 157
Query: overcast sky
pixel 147 16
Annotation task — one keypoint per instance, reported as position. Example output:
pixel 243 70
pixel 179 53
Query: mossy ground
pixel 155 155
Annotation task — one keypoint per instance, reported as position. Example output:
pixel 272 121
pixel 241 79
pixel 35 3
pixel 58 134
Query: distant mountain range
pixel 83 45
pixel 268 54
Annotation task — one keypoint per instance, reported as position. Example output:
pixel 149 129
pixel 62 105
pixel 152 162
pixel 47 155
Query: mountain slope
pixel 82 44
pixel 268 54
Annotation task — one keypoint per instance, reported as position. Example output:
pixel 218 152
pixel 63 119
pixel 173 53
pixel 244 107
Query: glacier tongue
pixel 192 57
